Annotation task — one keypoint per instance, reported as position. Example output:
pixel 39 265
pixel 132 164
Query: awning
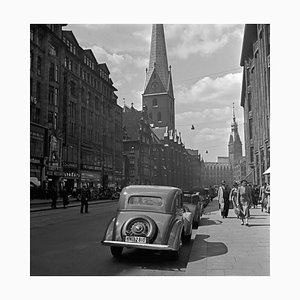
pixel 267 171
pixel 34 181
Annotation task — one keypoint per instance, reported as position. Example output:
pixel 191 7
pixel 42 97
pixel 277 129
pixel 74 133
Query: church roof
pixel 158 56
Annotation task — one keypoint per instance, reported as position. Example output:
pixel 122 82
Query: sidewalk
pixel 224 247
pixel 45 204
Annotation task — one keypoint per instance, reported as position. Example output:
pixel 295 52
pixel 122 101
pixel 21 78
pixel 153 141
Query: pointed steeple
pixel 158 56
pixel 234 144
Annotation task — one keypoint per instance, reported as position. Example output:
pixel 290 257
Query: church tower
pixel 235 144
pixel 158 94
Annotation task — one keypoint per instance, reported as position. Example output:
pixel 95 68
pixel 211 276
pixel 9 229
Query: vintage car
pixel 149 217
pixel 195 206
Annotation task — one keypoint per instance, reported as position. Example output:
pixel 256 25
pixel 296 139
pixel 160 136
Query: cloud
pixel 184 40
pixel 212 91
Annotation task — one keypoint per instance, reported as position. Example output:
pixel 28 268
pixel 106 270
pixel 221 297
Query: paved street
pixel 224 247
pixel 63 242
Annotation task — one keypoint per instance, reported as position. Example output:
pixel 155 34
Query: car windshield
pixel 145 200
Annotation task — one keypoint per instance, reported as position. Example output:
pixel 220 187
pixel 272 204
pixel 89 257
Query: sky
pixel 206 74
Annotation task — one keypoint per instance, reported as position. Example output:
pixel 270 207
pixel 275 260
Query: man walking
pixel 223 198
pixel 85 197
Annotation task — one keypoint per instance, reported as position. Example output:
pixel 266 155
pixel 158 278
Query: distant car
pixel 193 203
pixel 149 217
pixel 204 196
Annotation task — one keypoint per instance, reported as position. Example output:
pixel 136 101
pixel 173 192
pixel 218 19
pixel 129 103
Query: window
pixel 56 96
pixel 51 72
pixel 56 73
pixel 159 116
pixel 73 88
pixel 249 99
pixel 72 111
pixel 52 50
pixel 150 115
pixel 82 95
pixel 50 117
pixel 39 65
pixel 145 200
pixel 251 154
pixel 250 129
pixel 51 95
pixel 38 91
pixel 55 121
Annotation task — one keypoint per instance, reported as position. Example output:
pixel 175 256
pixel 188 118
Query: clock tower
pixel 158 94
pixel 234 144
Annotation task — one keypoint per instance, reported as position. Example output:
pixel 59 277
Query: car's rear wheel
pixel 116 251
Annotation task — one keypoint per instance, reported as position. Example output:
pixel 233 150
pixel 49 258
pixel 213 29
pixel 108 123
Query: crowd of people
pixel 242 197
pixel 84 195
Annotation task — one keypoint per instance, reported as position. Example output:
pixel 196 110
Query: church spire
pixel 233 114
pixel 158 56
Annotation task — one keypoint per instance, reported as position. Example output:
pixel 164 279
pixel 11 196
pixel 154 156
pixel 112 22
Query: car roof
pixel 167 193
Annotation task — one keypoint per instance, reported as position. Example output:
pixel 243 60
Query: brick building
pixel 255 99
pixel 76 127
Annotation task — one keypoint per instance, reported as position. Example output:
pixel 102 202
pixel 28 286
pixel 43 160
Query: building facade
pixel 255 99
pixel 76 127
pixel 213 173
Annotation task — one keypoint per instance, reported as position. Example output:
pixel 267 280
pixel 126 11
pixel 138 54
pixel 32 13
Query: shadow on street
pixel 207 221
pixel 151 260
pixel 207 249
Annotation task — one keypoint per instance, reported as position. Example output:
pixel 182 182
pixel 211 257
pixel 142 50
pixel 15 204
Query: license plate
pixel 136 239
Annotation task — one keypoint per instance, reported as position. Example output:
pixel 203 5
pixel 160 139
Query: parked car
pixel 193 203
pixel 149 217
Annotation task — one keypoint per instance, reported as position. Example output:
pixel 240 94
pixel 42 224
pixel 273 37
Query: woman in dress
pixel 244 201
pixel 233 196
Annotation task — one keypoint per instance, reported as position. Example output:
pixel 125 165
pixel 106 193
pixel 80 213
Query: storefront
pixel 38 155
pixel 70 176
pixel 91 176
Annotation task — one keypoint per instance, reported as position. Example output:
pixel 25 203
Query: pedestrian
pixel 244 201
pixel 263 197
pixel 223 198
pixel 233 198
pixel 84 198
pixel 267 193
pixel 53 193
pixel 255 195
pixel 211 193
pixel 65 197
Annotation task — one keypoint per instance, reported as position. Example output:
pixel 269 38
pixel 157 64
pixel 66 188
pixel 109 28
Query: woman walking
pixel 233 197
pixel 244 201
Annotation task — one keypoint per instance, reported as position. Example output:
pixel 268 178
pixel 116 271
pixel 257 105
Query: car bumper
pixel 137 245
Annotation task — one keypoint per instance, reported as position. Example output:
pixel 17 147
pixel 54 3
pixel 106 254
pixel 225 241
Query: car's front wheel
pixel 116 251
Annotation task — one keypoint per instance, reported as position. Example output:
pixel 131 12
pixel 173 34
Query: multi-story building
pixel 76 124
pixel 255 99
pixel 214 172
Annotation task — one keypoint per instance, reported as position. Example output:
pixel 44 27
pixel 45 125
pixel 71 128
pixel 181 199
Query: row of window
pixel 87 77
pixel 70 46
pixel 88 62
